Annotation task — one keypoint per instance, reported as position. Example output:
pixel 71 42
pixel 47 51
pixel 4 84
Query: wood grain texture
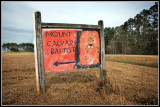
pixel 69 26
pixel 100 22
pixel 38 53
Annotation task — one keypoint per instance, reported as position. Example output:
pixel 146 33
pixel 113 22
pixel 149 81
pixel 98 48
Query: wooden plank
pixel 69 26
pixel 102 71
pixel 38 53
pixel 35 55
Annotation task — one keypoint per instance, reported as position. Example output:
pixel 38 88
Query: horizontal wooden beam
pixel 69 26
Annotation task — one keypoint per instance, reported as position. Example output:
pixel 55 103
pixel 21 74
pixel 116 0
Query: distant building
pixel 5 50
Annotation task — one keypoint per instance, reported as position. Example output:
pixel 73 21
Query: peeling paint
pixel 89 48
pixel 60 48
pixel 65 49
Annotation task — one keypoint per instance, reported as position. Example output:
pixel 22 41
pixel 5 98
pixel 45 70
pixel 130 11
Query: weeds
pixel 147 101
pixel 11 82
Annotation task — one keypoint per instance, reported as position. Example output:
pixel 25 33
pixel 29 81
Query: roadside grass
pixel 142 60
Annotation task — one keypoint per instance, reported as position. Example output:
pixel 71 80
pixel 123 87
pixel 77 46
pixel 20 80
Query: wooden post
pixel 38 50
pixel 102 68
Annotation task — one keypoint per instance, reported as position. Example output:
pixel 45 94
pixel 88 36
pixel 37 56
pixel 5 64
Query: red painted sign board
pixel 89 48
pixel 65 49
pixel 58 49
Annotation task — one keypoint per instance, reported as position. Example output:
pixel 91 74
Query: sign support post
pixel 102 68
pixel 39 64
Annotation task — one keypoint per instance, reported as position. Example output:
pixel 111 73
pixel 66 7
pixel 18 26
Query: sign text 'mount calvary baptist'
pixel 60 47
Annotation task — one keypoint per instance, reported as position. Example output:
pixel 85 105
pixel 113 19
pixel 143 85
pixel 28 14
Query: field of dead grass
pixel 144 60
pixel 126 83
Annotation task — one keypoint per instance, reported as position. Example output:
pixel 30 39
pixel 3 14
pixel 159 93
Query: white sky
pixel 17 17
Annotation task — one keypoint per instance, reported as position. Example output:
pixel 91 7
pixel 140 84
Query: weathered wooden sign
pixel 66 49
pixel 61 47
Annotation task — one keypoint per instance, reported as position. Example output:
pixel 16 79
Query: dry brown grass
pixel 126 84
pixel 144 60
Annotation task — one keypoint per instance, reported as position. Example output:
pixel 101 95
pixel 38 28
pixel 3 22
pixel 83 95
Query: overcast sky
pixel 17 17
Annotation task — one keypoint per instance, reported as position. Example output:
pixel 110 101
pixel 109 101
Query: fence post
pixel 38 50
pixel 102 68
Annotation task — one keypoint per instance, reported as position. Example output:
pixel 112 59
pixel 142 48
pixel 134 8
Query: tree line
pixel 14 47
pixel 138 35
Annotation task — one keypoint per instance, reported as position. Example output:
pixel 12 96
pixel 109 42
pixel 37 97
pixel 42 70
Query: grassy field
pixel 130 80
pixel 144 60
